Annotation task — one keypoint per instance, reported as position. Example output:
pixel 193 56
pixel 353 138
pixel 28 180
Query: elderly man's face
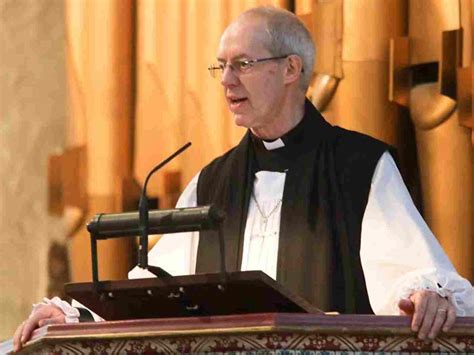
pixel 254 97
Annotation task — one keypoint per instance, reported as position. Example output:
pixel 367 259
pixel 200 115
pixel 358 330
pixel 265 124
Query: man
pixel 321 209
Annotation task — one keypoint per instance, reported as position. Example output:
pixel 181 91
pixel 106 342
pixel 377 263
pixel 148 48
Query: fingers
pixel 28 327
pixel 17 336
pixel 51 321
pixel 432 313
pixel 425 312
pixel 420 303
pixel 406 307
pixel 23 333
pixel 445 317
pixel 451 317
pixel 440 318
pixel 43 315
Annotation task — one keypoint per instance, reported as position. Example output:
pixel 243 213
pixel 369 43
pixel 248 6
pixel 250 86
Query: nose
pixel 228 77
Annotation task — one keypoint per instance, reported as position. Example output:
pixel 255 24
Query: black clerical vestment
pixel 328 176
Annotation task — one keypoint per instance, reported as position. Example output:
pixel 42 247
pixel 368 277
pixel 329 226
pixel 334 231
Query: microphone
pixel 116 225
pixel 143 210
pixel 113 225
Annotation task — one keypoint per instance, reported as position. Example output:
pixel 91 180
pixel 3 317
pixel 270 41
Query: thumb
pixel 50 321
pixel 406 307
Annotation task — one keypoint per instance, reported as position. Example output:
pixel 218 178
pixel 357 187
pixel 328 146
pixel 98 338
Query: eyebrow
pixel 240 56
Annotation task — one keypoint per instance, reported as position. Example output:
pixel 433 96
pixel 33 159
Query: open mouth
pixel 237 101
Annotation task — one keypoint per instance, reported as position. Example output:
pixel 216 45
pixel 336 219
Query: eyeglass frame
pixel 251 62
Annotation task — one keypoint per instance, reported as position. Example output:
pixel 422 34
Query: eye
pixel 221 66
pixel 243 64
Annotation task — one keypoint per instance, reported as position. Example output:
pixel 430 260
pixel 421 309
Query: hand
pixel 43 315
pixel 430 312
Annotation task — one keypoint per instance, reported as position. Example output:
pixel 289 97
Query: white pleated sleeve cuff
pixel 71 313
pixel 399 254
pixel 445 283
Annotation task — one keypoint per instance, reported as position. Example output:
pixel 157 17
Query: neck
pixel 290 115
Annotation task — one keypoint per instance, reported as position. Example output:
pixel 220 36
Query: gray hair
pixel 288 35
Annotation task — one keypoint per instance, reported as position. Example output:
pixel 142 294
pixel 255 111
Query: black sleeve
pixel 85 315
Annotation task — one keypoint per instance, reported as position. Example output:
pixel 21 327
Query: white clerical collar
pixel 277 143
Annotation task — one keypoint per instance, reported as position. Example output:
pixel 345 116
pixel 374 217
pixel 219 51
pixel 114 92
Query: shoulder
pixel 218 163
pixel 356 158
pixel 188 197
pixel 225 164
pixel 357 149
pixel 359 143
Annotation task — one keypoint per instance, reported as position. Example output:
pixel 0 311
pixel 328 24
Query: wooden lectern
pixel 213 294
pixel 237 312
pixel 184 296
pixel 267 333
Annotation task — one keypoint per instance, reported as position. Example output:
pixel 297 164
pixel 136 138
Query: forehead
pixel 244 38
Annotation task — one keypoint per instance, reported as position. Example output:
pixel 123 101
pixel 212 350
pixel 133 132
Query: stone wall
pixel 32 126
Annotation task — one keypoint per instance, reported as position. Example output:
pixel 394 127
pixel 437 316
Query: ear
pixel 294 68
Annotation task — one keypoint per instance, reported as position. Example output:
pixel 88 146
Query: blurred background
pixel 94 93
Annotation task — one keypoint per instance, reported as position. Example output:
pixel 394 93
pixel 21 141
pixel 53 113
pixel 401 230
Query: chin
pixel 242 120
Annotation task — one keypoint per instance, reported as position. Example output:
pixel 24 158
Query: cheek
pixel 263 91
pixel 272 84
pixel 268 94
pixel 269 82
pixel 265 88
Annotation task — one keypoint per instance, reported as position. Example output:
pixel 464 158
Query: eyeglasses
pixel 238 66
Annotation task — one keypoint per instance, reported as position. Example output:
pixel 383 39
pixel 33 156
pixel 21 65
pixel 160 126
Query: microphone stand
pixel 143 218
pixel 104 226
